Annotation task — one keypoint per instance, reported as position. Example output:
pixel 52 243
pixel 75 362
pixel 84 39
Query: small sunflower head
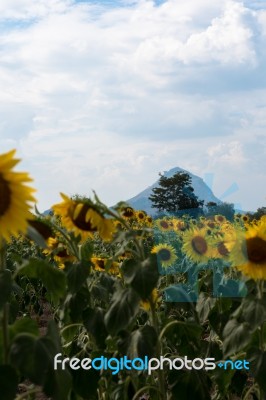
pixel 166 254
pixel 83 218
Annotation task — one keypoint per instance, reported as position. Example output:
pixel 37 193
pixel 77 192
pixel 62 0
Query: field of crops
pixel 171 307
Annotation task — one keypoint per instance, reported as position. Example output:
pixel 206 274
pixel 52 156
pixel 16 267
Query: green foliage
pixel 175 195
pixel 53 279
pixel 225 209
pixel 123 309
pixel 134 309
pixel 8 382
pixel 5 286
pixel 141 276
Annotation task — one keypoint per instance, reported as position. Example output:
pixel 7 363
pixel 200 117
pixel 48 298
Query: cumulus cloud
pixel 111 94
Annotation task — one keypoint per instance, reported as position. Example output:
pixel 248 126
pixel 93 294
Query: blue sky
pixel 104 95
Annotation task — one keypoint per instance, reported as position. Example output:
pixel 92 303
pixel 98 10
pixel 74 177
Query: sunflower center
pixel 222 249
pixel 128 212
pixel 164 254
pixel 41 228
pixel 164 224
pixel 62 253
pixel 100 264
pixel 5 197
pixel 199 245
pixel 256 250
pixel 80 221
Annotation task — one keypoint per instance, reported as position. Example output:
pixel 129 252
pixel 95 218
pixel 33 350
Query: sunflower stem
pixel 5 311
pixel 128 227
pixel 155 324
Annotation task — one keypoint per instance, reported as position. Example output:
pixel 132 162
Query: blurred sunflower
pixel 179 225
pixel 163 225
pixel 81 217
pixel 245 218
pixel 103 264
pixel 196 245
pixel 220 247
pixel 220 218
pixel 155 297
pixel 15 197
pixel 148 220
pixel 166 254
pixel 248 254
pixel 210 224
pixel 140 215
pixel 128 212
pixel 58 250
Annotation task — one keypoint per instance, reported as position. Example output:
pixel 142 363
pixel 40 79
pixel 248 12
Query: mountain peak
pixel 202 191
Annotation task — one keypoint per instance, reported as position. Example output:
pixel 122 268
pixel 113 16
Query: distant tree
pixel 225 209
pixel 175 195
pixel 259 213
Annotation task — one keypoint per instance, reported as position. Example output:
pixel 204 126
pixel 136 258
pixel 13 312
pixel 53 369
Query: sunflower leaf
pixel 52 278
pixel 123 309
pixel 5 286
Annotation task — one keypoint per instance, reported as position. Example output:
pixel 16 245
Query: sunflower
pixel 196 245
pixel 81 217
pixel 166 254
pixel 248 253
pixel 179 225
pixel 210 224
pixel 245 218
pixel 220 248
pixel 219 218
pixel 15 198
pixel 105 265
pixel 128 212
pixel 163 225
pixel 148 220
pixel 140 215
pixel 58 250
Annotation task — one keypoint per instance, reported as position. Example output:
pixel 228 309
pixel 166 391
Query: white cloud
pixel 94 95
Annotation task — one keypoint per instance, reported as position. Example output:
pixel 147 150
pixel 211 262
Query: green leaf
pixel 93 320
pixel 204 306
pixel 190 385
pixel 222 379
pixel 220 314
pixel 124 308
pixel 77 303
pixel 24 325
pixel 5 286
pixel 77 275
pixel 53 334
pixel 34 235
pixel 142 342
pixel 34 358
pixel 257 359
pixel 85 383
pixel 86 251
pixel 52 278
pixel 254 312
pixel 237 335
pixel 185 336
pixel 8 382
pixel 142 276
pixel 29 356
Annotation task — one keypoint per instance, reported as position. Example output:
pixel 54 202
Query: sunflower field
pixel 171 308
